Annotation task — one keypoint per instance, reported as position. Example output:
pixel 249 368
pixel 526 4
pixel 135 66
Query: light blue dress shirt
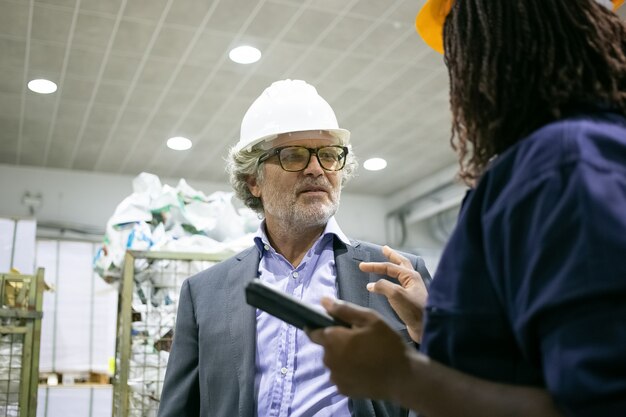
pixel 291 379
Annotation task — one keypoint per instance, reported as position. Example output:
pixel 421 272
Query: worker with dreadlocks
pixel 526 314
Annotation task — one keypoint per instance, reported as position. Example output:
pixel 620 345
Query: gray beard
pixel 314 217
pixel 295 219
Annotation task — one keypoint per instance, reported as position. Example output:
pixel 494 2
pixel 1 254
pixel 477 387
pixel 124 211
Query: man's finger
pixel 348 312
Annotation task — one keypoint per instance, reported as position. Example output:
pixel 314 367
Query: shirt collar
pixel 332 228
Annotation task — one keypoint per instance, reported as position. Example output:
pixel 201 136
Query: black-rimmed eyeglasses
pixel 297 158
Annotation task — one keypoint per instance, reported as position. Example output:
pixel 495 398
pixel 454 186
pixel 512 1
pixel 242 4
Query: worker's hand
pixel 368 360
pixel 408 299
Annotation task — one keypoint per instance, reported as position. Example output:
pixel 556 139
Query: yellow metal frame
pixel 25 305
pixel 121 390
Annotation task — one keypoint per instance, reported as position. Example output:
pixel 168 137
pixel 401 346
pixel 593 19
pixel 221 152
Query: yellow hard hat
pixel 430 19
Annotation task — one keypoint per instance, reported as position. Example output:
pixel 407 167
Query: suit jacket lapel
pixel 351 288
pixel 243 328
pixel 347 259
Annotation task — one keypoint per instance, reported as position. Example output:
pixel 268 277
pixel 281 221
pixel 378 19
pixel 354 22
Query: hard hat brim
pixel 342 134
pixel 430 20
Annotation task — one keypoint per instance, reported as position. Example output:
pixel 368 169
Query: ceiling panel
pixel 343 34
pixel 86 62
pixel 46 58
pixel 109 93
pixel 70 111
pixel 64 133
pixel 118 68
pixel 102 116
pixel 133 37
pixel 93 30
pixel 308 26
pixel 210 48
pixel 88 150
pixel 50 24
pixel 172 42
pixel 8 109
pixel 37 109
pixel 105 7
pixel 327 6
pixel 157 73
pixel 62 3
pixel 264 25
pixel 282 56
pixel 130 120
pixel 383 39
pixel 190 12
pixel 230 15
pixel 12 52
pixel 59 155
pixel 147 10
pixel 8 149
pixel 205 105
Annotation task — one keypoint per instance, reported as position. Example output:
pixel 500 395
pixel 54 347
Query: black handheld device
pixel 287 307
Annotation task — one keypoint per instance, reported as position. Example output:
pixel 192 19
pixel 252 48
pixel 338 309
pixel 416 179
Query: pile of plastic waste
pixel 181 219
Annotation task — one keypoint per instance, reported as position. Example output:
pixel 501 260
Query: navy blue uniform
pixel 531 288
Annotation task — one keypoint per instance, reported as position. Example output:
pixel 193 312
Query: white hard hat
pixel 288 106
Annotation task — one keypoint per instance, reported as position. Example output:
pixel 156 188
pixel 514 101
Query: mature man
pixel 229 359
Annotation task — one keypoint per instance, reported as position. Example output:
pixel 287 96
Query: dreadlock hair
pixel 516 65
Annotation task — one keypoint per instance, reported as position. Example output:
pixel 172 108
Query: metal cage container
pixel 21 298
pixel 147 306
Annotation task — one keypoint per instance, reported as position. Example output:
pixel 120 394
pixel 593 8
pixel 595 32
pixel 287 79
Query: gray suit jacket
pixel 211 368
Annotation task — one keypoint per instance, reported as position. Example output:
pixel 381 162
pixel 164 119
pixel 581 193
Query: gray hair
pixel 243 164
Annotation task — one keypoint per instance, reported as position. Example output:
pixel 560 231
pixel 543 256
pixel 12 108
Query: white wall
pixel 89 199
pixel 75 401
pixel 363 217
pixel 79 320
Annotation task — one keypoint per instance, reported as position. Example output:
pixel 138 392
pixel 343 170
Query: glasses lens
pixel 331 158
pixel 294 158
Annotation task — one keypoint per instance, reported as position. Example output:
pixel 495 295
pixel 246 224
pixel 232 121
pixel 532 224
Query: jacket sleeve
pixel 181 393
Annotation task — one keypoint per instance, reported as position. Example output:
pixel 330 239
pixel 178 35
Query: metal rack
pixel 147 308
pixel 21 298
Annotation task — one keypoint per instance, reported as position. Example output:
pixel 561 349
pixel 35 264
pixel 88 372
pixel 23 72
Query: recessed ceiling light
pixel 375 164
pixel 179 143
pixel 245 54
pixel 42 86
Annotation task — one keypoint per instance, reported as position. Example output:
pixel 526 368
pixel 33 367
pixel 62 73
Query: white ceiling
pixel 132 73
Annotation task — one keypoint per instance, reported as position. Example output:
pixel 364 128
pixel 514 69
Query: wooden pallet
pixel 74 378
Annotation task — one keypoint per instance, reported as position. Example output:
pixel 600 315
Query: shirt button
pixel 266 247
pixel 295 274
pixel 283 370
